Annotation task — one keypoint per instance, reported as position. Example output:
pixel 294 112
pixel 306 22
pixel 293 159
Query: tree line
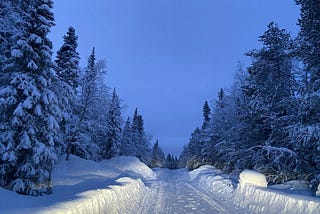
pixel 54 107
pixel 269 120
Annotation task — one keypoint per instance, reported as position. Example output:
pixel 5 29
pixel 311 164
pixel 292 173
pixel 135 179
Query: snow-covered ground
pixel 82 186
pixel 252 195
pixel 125 185
pixel 173 192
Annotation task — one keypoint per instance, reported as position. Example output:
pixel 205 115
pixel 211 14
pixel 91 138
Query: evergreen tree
pixel 184 157
pixel 169 161
pixel 135 136
pixel 172 162
pixel 68 60
pixel 8 28
pixel 30 127
pixel 139 138
pixel 194 149
pixel 68 72
pixel 206 115
pixel 269 91
pixel 269 86
pixel 157 156
pixel 127 147
pixel 305 133
pixel 309 39
pixel 112 147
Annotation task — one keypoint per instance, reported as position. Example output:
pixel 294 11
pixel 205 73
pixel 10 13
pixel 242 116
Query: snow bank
pixel 82 186
pixel 253 195
pixel 265 200
pixel 212 180
pixel 132 166
pixel 250 177
pixel 121 198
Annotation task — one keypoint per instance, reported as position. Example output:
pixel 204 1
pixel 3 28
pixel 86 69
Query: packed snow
pixel 125 185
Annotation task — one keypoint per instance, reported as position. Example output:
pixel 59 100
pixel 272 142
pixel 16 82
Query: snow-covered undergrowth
pixel 254 198
pixel 82 186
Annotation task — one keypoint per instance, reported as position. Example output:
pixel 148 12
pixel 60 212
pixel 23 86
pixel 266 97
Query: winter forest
pixel 268 120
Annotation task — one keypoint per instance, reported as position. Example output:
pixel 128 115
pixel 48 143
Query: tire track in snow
pixel 173 194
pixel 214 202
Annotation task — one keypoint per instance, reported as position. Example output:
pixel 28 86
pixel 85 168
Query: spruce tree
pixel 127 147
pixel 68 72
pixel 206 115
pixel 269 90
pixel 269 86
pixel 8 28
pixel 68 60
pixel 139 138
pixel 112 147
pixel 30 129
pixel 157 156
pixel 309 39
pixel 305 133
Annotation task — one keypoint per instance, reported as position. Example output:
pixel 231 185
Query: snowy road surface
pixel 172 192
pixel 125 185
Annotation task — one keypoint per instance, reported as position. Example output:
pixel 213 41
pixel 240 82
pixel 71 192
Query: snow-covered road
pixel 173 192
pixel 125 185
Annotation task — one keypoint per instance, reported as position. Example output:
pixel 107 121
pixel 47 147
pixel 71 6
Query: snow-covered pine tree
pixel 68 60
pixel 127 146
pixel 139 138
pixel 68 72
pixel 269 90
pixel 206 115
pixel 114 122
pixel 305 133
pixel 184 157
pixel 32 114
pixel 158 158
pixel 135 133
pixel 194 149
pixel 8 28
pixel 269 86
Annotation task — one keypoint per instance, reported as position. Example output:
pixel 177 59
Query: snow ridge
pixel 252 198
pixel 84 187
pixel 115 199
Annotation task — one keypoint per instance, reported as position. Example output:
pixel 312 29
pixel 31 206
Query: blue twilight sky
pixel 166 57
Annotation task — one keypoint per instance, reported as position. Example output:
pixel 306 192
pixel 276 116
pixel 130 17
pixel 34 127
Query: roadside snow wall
pixel 250 195
pixel 120 198
pixel 212 180
pixel 264 200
